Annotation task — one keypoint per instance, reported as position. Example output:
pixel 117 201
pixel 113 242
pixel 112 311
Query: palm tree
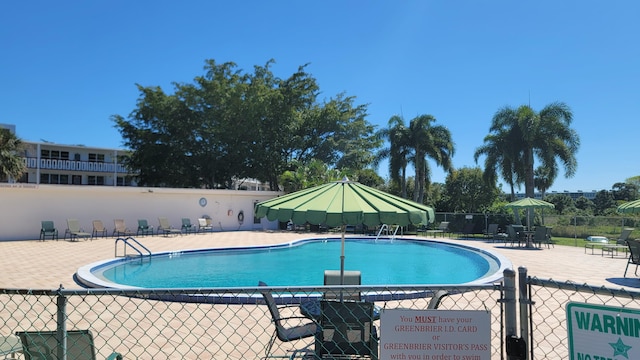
pixel 544 178
pixel 501 157
pixel 545 137
pixel 398 152
pixel 11 164
pixel 428 140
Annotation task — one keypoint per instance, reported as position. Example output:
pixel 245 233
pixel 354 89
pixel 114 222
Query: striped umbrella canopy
pixel 529 204
pixel 344 203
pixel 629 207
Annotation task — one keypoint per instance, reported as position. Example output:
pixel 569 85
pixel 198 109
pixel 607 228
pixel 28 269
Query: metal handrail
pixel 126 242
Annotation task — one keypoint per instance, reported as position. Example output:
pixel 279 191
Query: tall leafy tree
pixel 546 135
pixel 544 178
pixel 228 125
pixel 502 157
pixel 466 191
pixel 11 163
pixel 398 151
pixel 428 141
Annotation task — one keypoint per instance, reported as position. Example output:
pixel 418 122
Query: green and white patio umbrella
pixel 529 204
pixel 344 203
pixel 630 207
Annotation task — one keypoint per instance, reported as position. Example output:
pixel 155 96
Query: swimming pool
pixel 302 263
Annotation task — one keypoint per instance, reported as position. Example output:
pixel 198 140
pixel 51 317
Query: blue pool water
pixel 381 262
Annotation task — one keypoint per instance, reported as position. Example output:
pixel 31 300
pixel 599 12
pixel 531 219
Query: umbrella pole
pixel 342 260
pixel 342 256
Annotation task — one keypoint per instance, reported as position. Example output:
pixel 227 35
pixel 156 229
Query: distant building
pixel 51 163
pixel 572 194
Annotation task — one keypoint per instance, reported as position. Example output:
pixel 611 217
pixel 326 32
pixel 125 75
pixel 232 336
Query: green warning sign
pixel 597 332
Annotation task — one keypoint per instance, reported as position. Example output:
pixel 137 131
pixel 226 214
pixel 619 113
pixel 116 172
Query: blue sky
pixel 66 67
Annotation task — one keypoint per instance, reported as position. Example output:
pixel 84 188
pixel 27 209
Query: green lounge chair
pixel 188 227
pixel 48 229
pixel 45 345
pixel 144 228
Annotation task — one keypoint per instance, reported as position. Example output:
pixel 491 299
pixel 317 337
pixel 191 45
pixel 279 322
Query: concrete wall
pixel 24 206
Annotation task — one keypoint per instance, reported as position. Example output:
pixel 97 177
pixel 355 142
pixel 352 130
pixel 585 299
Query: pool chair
pixel 120 229
pixel 287 334
pixel 45 345
pixel 74 231
pixel 187 226
pixel 436 299
pixel 634 255
pixel 98 229
pixel 351 277
pixel 540 236
pixel 165 228
pixel 347 330
pixel 204 225
pixel 624 236
pixel 144 228
pixel 516 234
pixel 48 229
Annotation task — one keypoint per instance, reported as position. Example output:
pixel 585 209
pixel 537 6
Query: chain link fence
pixel 217 323
pixel 547 311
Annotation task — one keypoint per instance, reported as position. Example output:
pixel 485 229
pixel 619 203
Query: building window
pixel 44 178
pixel 54 154
pixel 96 157
pixel 64 179
pixel 95 180
pixel 123 181
pixel 76 179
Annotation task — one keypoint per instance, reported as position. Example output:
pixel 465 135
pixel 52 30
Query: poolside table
pixel 595 241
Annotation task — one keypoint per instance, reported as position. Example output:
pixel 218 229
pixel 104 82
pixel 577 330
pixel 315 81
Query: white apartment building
pixel 51 163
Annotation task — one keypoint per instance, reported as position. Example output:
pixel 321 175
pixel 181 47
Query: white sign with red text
pixel 435 335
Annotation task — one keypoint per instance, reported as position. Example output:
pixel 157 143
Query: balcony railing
pixel 75 165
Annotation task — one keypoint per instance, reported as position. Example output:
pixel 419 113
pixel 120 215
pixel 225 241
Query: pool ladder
pixel 386 229
pixel 131 243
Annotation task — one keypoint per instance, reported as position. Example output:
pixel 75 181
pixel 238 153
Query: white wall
pixel 24 206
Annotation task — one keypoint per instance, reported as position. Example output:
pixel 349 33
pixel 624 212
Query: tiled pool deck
pixel 47 265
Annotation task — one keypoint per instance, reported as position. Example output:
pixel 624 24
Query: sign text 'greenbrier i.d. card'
pixel 435 334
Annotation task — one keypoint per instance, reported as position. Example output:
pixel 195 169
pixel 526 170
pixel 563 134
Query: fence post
pixel 516 349
pixel 61 329
pixel 524 305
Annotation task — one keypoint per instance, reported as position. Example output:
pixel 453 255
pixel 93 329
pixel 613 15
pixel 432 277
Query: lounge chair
pixel 144 228
pixel 620 244
pixel 494 233
pixel 187 226
pixel 351 277
pixel 45 345
pixel 48 229
pixel 286 334
pixel 204 225
pixel 74 231
pixel 165 228
pixel 98 229
pixel 634 255
pixel 624 236
pixel 436 300
pixel 442 229
pixel 121 229
pixel 347 330
pixel 467 230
